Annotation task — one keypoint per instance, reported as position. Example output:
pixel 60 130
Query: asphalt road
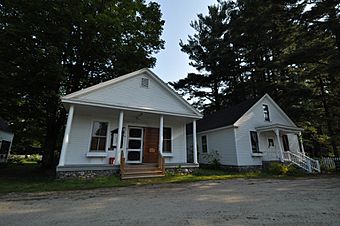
pixel 311 201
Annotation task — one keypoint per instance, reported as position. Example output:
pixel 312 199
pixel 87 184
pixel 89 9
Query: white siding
pixel 249 122
pixel 80 136
pixel 129 93
pixel 222 141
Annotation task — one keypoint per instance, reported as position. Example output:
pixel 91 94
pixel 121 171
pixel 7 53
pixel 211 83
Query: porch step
pixel 141 171
pixel 141 176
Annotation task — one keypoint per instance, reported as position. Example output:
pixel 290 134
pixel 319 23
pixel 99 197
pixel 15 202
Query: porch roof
pixel 281 127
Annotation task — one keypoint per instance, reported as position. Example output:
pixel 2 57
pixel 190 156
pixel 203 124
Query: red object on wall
pixel 112 160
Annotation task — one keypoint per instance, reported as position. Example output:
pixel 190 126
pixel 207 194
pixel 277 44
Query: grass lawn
pixel 28 177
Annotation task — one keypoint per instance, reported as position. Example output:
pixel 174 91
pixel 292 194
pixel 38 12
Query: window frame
pixel 204 146
pixel 145 82
pixel 271 142
pixel 106 136
pixel 166 139
pixel 257 148
pixel 266 114
pixel 285 142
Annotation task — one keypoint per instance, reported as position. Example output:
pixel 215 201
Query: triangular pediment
pixel 140 90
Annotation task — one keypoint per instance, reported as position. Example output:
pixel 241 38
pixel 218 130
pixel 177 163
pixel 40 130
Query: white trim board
pixel 70 97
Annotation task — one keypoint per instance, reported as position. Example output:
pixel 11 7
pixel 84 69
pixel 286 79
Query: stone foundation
pixel 237 169
pixel 85 174
pixel 180 170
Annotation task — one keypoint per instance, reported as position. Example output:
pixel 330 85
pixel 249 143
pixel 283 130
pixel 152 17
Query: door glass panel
pixel 135 144
pixel 134 156
pixel 135 133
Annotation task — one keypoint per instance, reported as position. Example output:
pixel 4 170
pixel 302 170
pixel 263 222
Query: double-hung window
pixel 99 136
pixel 167 137
pixel 204 144
pixel 266 112
pixel 254 142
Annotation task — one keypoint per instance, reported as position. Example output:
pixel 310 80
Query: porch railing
pixel 122 163
pixel 161 162
pixel 302 161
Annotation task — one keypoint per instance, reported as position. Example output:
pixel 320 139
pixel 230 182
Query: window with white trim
pixel 266 112
pixel 99 136
pixel 167 137
pixel 145 83
pixel 254 142
pixel 204 144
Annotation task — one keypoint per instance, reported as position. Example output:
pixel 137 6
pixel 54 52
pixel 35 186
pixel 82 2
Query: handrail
pixel 122 163
pixel 302 161
pixel 161 162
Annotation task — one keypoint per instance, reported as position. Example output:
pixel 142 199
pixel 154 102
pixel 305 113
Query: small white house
pixel 135 118
pixel 6 139
pixel 246 135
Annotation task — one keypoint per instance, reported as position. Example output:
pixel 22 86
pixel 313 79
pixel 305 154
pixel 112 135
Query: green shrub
pixel 213 159
pixel 295 171
pixel 276 168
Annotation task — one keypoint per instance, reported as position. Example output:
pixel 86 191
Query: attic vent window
pixel 145 83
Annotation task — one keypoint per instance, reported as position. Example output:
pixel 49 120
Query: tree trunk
pixel 328 118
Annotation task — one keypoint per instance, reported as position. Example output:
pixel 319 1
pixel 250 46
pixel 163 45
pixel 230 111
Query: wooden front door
pixel 151 139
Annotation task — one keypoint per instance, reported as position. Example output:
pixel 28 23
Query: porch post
pixel 119 138
pixel 194 141
pixel 301 143
pixel 66 136
pixel 160 143
pixel 277 132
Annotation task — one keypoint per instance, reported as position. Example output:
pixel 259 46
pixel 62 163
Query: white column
pixel 160 143
pixel 277 132
pixel 119 138
pixel 194 141
pixel 301 142
pixel 66 136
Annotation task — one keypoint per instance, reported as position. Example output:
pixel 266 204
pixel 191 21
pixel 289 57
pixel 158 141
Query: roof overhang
pixel 280 127
pixel 67 103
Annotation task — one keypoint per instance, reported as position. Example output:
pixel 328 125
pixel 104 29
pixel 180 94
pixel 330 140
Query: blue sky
pixel 172 64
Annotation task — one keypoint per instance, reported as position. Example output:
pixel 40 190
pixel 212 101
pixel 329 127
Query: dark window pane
pixel 133 155
pixel 285 142
pixel 167 133
pixel 101 145
pixel 135 133
pixel 204 144
pixel 254 141
pixel 167 146
pixel 94 143
pixel 99 128
pixel 270 143
pixel 5 147
pixel 266 112
pixel 134 144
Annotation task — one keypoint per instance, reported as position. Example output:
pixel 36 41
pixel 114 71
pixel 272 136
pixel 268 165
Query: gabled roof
pixel 225 117
pixel 4 125
pixel 80 97
pixel 231 115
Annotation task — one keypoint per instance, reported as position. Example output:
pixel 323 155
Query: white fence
pixel 328 162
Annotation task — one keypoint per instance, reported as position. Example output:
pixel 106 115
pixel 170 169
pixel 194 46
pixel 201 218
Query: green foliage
pixel 51 48
pixel 289 49
pixel 276 168
pixel 280 169
pixel 213 159
pixel 22 159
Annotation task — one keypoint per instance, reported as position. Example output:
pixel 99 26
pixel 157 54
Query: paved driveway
pixel 232 202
